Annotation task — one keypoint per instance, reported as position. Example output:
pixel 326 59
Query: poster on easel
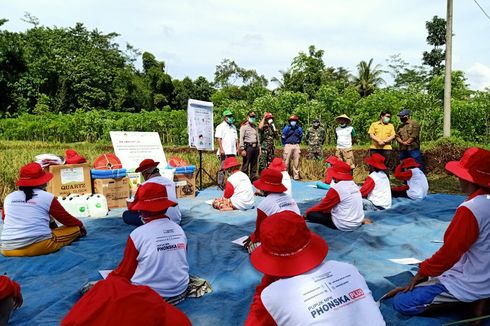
pixel 200 125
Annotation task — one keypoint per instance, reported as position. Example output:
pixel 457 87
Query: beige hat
pixel 343 116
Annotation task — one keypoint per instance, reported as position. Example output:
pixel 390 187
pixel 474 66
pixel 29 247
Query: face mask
pixel 386 119
pixel 230 120
pixel 270 121
pixel 343 125
pixel 251 119
pixel 316 125
pixel 293 123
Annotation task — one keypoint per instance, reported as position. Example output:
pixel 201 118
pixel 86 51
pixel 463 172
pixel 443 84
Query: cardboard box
pixel 70 179
pixel 185 185
pixel 116 191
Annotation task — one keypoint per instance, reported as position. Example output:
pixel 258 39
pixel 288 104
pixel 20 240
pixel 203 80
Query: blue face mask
pixel 293 123
pixel 251 119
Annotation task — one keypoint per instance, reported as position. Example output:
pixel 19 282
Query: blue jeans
pixel 368 205
pixel 132 218
pixel 416 154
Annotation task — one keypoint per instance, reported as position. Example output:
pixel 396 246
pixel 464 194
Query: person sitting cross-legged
pixel 376 190
pixel 459 272
pixel 416 186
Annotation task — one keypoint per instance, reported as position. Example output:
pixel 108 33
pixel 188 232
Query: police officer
pixel 268 133
pixel 315 137
pixel 250 145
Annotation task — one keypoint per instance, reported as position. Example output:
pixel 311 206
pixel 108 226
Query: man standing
pixel 249 146
pixel 315 136
pixel 291 138
pixel 346 137
pixel 227 137
pixel 382 134
pixel 268 133
pixel 407 137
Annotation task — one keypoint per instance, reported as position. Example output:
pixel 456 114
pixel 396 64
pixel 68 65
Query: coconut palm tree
pixel 369 78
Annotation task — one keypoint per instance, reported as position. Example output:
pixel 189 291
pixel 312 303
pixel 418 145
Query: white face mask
pixel 293 123
pixel 270 121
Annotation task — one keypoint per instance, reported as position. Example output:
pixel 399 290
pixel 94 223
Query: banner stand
pixel 202 170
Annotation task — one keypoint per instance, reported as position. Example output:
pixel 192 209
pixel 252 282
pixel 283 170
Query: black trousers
pixel 321 218
pixel 399 193
pixel 249 166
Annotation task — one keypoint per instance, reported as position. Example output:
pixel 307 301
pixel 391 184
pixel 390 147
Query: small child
pixel 416 186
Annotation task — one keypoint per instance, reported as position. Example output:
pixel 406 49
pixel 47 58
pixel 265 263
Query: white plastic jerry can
pixel 79 204
pixel 97 205
pixel 67 204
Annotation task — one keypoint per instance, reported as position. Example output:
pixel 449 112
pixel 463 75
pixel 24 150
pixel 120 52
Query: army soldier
pixel 315 137
pixel 268 133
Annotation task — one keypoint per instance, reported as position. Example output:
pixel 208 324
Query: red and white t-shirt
pixel 26 223
pixel 377 189
pixel 418 187
pixel 155 256
pixel 240 191
pixel 172 212
pixel 333 293
pixel 273 203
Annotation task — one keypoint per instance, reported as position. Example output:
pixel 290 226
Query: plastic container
pixel 97 205
pixel 67 204
pixel 78 205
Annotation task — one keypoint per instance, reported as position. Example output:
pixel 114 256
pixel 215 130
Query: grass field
pixel 14 154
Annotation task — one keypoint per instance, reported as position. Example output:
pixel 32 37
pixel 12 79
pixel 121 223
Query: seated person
pixel 29 215
pixel 295 287
pixel 239 192
pixel 460 270
pixel 10 298
pixel 327 183
pixel 115 301
pixel 342 206
pixel 416 186
pixel 376 190
pixel 276 200
pixel 155 253
pixel 149 171
pixel 279 165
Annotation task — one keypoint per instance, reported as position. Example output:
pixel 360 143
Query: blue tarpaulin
pixel 51 283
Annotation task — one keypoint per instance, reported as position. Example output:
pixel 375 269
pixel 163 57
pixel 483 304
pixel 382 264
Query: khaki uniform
pixel 410 129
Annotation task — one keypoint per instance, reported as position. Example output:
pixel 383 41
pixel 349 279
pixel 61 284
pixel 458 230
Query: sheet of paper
pixel 105 272
pixel 406 261
pixel 240 240
pixel 209 202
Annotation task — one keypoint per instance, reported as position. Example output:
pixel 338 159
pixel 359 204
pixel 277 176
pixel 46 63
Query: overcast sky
pixel 193 36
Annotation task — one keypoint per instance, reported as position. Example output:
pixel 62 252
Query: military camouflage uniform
pixel 315 138
pixel 267 136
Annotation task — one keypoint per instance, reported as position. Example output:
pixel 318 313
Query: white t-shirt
pixel 419 187
pixel 228 135
pixel 243 194
pixel 333 293
pixel 172 212
pixel 26 222
pixel 162 261
pixel 286 181
pixel 344 137
pixel 278 202
pixel 381 194
pixel 348 214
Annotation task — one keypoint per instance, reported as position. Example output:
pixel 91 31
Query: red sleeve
pixel 400 175
pixel 460 235
pixel 331 199
pixel 400 188
pixel 128 265
pixel 60 214
pixel 8 288
pixel 255 236
pixel 229 190
pixel 367 187
pixel 258 315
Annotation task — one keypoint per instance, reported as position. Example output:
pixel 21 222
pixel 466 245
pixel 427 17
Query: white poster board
pixel 200 125
pixel 132 147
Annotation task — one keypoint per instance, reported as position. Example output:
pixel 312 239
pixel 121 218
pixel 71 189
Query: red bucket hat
pixel 230 162
pixel 340 171
pixel 277 164
pixel 288 247
pixel 268 115
pixel 72 157
pixel 409 163
pixel 331 159
pixel 270 181
pixel 151 197
pixel 474 166
pixel 376 160
pixel 146 164
pixel 32 175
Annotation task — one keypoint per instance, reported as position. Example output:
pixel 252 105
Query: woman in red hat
pixel 239 192
pixel 375 191
pixel 297 289
pixel 278 164
pixel 460 270
pixel 416 186
pixel 10 298
pixel 276 200
pixel 28 213
pixel 155 253
pixel 342 206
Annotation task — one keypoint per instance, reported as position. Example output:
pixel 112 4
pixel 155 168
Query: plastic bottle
pixel 97 205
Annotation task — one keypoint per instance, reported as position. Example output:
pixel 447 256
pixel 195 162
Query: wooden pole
pixel 447 78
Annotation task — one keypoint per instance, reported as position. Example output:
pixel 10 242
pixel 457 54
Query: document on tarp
pixel 406 261
pixel 105 272
pixel 132 147
pixel 200 127
pixel 241 241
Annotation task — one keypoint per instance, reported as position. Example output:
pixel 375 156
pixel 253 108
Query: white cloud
pixel 479 75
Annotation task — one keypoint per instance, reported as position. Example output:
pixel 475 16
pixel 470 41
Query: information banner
pixel 132 147
pixel 200 125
